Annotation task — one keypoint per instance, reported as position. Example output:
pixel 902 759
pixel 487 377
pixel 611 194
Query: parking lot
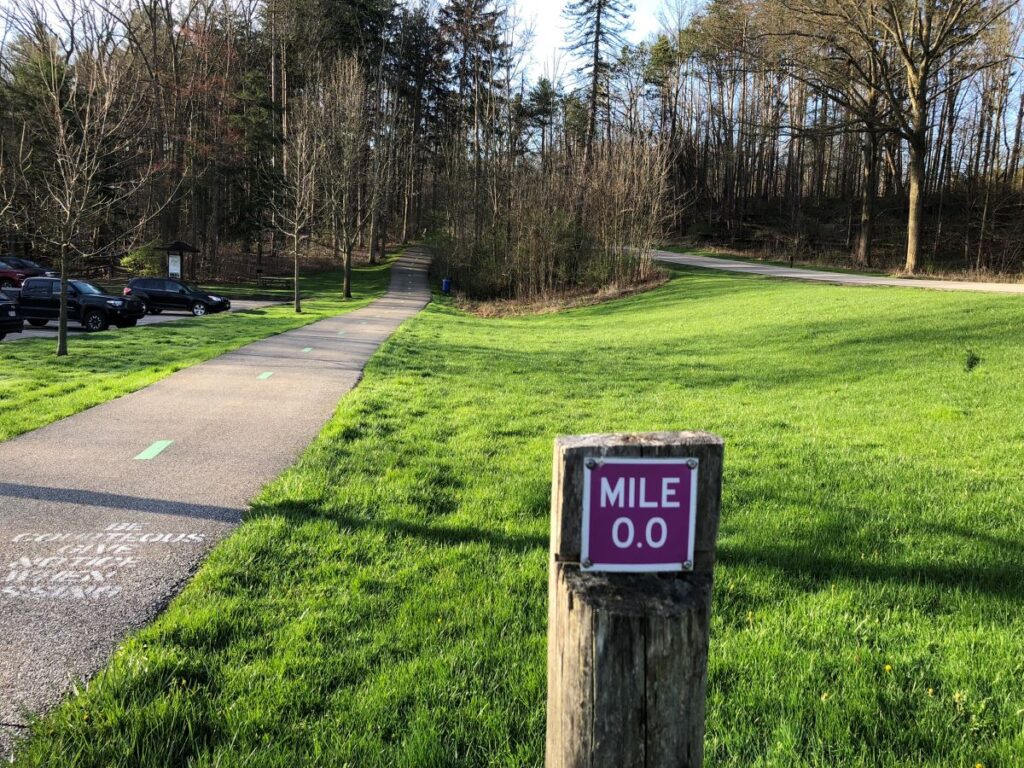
pixel 50 331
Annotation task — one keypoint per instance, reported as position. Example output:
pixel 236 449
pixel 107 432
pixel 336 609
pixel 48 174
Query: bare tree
pixel 912 38
pixel 344 133
pixel 820 51
pixel 86 163
pixel 298 203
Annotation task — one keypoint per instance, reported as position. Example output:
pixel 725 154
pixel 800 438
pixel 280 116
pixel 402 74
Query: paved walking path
pixel 839 278
pixel 104 515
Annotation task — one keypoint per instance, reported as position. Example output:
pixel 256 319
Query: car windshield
pixel 30 264
pixel 193 288
pixel 4 265
pixel 83 287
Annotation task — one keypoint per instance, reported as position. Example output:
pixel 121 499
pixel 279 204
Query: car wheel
pixel 199 309
pixel 95 321
pixel 38 323
pixel 128 323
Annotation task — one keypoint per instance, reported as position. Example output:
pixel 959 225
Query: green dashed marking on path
pixel 265 375
pixel 154 450
pixel 307 349
pixel 341 333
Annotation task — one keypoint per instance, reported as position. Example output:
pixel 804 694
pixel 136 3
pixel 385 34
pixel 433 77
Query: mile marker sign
pixel 638 514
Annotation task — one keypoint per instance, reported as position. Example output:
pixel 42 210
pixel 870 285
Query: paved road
pixel 74 329
pixel 105 514
pixel 839 278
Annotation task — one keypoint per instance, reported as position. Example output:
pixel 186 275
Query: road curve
pixel 104 515
pixel 837 278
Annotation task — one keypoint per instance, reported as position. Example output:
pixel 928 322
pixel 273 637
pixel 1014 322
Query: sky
pixel 549 28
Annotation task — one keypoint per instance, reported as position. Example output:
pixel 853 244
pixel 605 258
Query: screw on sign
pixel 639 514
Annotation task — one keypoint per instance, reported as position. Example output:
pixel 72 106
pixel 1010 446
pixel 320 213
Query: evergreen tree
pixel 597 32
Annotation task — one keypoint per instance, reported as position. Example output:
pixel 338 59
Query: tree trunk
pixel 595 77
pixel 373 237
pixel 347 286
pixel 335 240
pixel 869 178
pixel 62 320
pixel 916 204
pixel 295 273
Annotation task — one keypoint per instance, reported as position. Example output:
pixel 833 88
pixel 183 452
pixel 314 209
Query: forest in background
pixel 883 133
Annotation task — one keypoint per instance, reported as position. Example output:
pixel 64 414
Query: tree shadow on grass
pixel 826 552
pixel 814 569
pixel 436 533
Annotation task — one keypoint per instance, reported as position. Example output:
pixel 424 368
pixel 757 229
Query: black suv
pixel 9 320
pixel 39 303
pixel 160 293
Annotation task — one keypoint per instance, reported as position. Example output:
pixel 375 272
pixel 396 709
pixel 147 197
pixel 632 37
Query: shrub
pixel 144 261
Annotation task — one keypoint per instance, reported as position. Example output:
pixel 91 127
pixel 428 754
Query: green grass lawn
pixel 36 387
pixel 384 604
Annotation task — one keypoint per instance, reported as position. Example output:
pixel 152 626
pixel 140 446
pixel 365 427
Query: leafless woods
pixel 885 132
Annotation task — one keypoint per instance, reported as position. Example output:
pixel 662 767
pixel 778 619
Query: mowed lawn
pixel 36 387
pixel 385 602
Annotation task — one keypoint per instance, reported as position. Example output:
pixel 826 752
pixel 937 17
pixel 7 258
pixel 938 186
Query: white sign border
pixel 690 462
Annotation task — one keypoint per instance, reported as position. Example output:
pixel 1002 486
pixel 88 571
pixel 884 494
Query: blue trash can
pixel 446 285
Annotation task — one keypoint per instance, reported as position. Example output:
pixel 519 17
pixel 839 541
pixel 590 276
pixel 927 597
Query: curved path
pixel 104 515
pixel 838 278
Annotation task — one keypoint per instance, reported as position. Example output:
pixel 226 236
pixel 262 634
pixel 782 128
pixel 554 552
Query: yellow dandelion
pixel 931 691
pixel 888 667
pixel 978 765
pixel 824 696
pixel 959 697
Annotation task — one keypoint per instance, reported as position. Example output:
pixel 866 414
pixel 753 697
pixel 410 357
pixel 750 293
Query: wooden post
pixel 627 652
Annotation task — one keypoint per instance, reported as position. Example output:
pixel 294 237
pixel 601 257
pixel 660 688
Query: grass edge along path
pixel 385 602
pixel 37 388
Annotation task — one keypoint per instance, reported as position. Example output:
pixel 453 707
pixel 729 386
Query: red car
pixel 9 276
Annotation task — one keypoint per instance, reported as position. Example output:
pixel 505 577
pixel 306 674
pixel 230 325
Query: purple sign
pixel 638 514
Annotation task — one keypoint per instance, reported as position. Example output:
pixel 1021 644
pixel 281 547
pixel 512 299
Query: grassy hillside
pixel 36 387
pixel 385 602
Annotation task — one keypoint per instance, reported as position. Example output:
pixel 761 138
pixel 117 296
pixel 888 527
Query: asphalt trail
pixel 104 515
pixel 838 278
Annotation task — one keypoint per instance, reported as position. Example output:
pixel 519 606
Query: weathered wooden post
pixel 634 520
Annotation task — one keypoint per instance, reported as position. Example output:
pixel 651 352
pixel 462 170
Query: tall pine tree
pixel 597 30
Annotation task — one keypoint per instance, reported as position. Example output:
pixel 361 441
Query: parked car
pixel 10 276
pixel 29 267
pixel 9 320
pixel 162 293
pixel 39 303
